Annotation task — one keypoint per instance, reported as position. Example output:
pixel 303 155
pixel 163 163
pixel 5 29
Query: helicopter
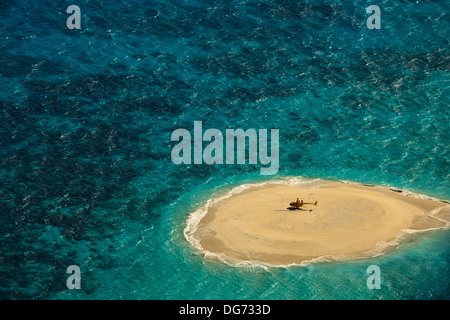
pixel 297 205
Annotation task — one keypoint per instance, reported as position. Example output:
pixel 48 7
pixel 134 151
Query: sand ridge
pixel 350 221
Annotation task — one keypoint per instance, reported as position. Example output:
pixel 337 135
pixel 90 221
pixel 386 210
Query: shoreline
pixel 269 235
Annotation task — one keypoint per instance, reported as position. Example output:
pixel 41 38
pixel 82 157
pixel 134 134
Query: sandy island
pixel 350 221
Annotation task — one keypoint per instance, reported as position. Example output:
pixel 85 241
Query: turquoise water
pixel 87 116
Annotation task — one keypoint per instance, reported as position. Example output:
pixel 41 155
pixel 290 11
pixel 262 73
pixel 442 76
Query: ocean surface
pixel 86 118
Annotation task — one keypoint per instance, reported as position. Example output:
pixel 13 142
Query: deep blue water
pixel 86 118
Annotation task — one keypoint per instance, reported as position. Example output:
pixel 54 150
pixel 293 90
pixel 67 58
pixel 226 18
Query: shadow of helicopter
pixel 298 205
pixel 299 209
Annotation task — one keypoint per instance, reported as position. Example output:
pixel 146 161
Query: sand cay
pixel 350 221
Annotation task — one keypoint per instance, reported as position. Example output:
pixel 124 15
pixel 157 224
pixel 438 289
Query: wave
pixel 381 247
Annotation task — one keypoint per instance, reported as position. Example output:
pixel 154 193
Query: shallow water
pixel 87 116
